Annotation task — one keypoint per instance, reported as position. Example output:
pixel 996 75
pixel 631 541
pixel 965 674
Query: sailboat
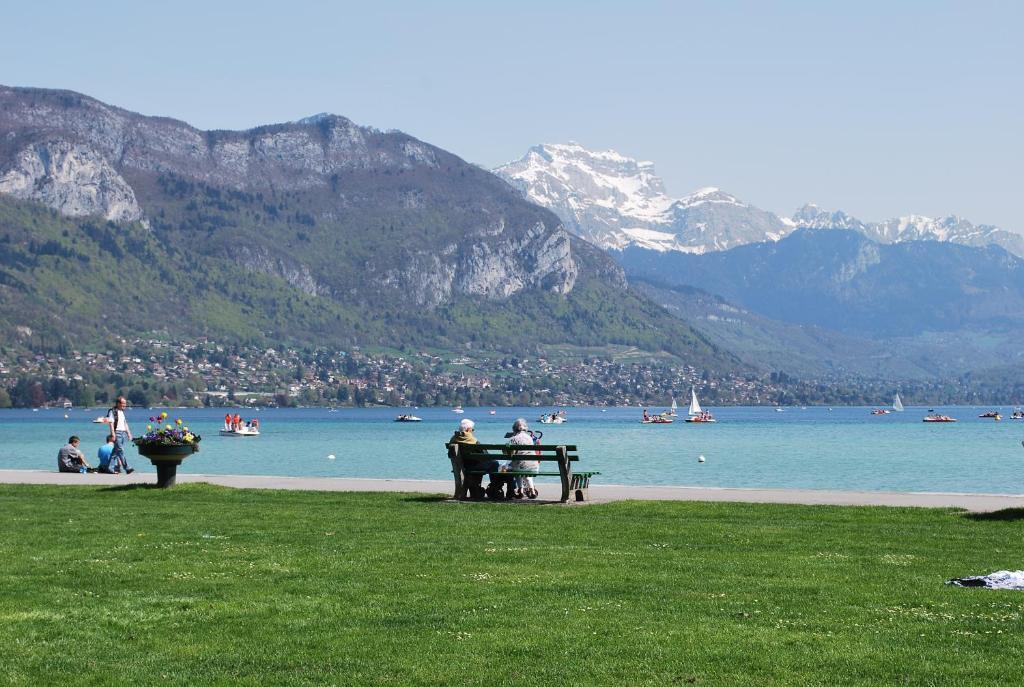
pixel 673 409
pixel 696 414
pixel 694 406
pixel 897 404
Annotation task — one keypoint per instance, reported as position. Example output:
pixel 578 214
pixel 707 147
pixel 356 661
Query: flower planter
pixel 167 458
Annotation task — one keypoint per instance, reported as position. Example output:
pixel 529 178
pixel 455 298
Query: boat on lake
pixel 696 413
pixel 897 404
pixel 880 411
pixel 938 418
pixel 553 418
pixel 660 419
pixel 408 418
pixel 247 431
pixel 673 409
pixel 458 409
pixel 695 408
pixel 994 414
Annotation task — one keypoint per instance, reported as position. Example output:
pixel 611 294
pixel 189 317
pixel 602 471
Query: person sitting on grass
pixel 70 459
pixel 104 453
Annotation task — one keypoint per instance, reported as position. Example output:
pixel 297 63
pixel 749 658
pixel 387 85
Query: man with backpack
pixel 122 433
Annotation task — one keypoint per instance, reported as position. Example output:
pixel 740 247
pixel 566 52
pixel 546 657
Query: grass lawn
pixel 206 585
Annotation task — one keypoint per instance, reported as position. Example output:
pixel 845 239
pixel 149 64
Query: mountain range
pixel 318 231
pixel 615 202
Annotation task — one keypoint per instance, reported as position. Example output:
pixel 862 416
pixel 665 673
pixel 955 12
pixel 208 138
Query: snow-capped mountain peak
pixel 952 229
pixel 617 201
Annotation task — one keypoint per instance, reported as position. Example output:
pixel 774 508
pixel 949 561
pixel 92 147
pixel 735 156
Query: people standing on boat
pixel 238 422
pixel 228 422
pixel 104 453
pixel 647 417
pixel 521 437
pixel 122 433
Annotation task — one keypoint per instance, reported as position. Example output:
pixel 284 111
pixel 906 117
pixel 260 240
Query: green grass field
pixel 204 585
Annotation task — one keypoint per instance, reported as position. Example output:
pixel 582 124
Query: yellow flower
pixel 167 427
pixel 178 421
pixel 149 428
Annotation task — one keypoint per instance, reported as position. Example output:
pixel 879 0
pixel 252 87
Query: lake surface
pixel 812 448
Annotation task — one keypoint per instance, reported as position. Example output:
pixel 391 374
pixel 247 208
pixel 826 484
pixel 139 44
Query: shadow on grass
pixel 1006 514
pixel 131 487
pixel 427 498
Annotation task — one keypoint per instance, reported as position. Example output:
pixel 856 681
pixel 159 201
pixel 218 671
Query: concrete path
pixel 599 493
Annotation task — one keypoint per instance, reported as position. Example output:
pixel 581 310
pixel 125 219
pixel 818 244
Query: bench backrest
pixel 497 451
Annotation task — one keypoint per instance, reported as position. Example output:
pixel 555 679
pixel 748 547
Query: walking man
pixel 122 433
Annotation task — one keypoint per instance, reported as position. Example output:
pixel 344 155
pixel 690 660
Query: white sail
pixel 674 406
pixel 694 406
pixel 897 404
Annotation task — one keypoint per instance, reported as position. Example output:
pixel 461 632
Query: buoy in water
pixel 330 457
pixel 700 459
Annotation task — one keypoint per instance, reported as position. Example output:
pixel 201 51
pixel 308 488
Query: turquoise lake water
pixel 814 448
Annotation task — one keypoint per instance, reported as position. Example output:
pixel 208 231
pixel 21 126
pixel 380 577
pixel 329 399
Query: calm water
pixel 815 448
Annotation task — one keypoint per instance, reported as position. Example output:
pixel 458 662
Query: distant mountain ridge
pixel 843 281
pixel 949 229
pixel 615 202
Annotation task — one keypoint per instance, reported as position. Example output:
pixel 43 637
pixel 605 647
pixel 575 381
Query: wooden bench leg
pixel 458 472
pixel 565 470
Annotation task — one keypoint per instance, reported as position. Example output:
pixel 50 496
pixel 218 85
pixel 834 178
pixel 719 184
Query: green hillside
pixel 74 282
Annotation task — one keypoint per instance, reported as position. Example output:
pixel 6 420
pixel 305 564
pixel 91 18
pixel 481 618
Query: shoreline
pixel 604 493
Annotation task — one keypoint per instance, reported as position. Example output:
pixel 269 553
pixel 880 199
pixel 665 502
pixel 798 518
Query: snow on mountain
pixel 616 201
pixel 950 229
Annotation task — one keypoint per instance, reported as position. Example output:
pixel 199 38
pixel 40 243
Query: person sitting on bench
pixel 474 483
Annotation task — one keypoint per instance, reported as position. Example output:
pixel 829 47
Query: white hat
pixel 466 425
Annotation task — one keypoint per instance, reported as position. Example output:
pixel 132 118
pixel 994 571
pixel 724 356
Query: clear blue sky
pixel 878 108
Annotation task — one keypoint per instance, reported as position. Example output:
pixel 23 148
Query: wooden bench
pixel 465 456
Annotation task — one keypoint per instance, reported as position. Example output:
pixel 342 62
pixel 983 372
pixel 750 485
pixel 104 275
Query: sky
pixel 877 108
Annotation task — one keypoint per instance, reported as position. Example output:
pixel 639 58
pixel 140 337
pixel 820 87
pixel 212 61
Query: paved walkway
pixel 598 493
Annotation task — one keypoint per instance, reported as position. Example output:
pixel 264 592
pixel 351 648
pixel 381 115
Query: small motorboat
pixel 938 418
pixel 992 414
pixel 249 429
pixel 553 418
pixel 1017 415
pixel 458 409
pixel 704 417
pixel 880 411
pixel 241 432
pixel 408 418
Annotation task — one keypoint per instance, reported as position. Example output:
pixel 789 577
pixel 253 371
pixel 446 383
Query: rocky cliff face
pixel 73 179
pixel 402 214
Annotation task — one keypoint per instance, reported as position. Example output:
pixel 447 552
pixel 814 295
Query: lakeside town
pixel 207 373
